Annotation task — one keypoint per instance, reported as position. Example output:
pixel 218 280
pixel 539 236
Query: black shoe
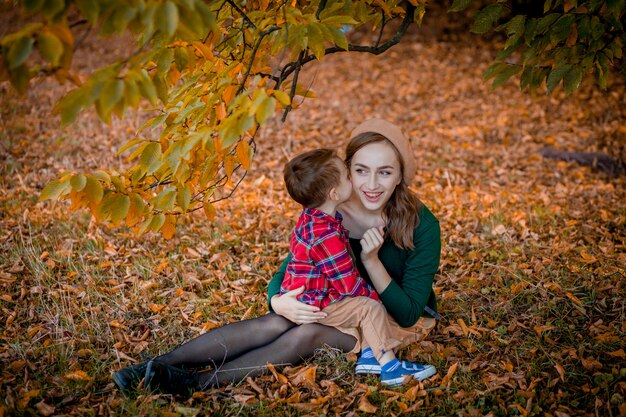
pixel 128 378
pixel 160 377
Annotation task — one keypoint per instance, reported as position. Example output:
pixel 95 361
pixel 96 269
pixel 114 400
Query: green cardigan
pixel 412 272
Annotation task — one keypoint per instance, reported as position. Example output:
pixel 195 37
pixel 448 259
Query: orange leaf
pixel 448 377
pixel 618 353
pixel 366 406
pixel 561 371
pixel 573 298
pixel 155 308
pixel 588 258
pixel 209 210
pixel 77 376
pixel 243 154
pixel 23 403
pixel 168 229
pixel 220 111
pixel 294 398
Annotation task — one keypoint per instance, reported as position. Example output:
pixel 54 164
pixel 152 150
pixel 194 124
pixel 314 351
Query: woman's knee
pixel 315 336
pixel 274 322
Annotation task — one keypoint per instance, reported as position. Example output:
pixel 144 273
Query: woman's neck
pixel 357 219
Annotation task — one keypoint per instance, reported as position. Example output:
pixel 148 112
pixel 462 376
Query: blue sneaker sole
pixel 367 369
pixel 427 372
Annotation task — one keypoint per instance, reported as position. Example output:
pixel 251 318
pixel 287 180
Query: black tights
pixel 241 349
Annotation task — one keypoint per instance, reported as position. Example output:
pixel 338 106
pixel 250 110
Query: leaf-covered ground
pixel 531 284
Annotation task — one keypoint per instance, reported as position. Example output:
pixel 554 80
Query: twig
pixel 243 15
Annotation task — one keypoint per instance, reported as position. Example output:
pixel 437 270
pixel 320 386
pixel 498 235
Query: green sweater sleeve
pixel 405 299
pixel 273 287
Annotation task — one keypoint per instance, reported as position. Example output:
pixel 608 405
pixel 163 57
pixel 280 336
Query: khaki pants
pixel 368 321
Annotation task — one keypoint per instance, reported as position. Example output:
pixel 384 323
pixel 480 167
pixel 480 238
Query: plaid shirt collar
pixel 320 216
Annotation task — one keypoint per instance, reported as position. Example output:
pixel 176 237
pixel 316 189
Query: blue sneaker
pixel 367 363
pixel 393 373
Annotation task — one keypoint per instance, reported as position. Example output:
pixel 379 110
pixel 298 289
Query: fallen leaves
pixel 530 289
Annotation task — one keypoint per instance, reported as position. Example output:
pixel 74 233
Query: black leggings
pixel 241 349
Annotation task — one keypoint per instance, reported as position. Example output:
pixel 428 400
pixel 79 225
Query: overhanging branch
pixel 376 49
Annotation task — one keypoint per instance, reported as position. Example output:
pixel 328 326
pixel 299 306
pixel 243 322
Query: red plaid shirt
pixel 320 259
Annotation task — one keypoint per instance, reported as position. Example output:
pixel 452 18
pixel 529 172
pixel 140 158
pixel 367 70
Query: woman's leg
pixel 225 343
pixel 290 348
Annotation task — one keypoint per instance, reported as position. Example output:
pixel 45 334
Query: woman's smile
pixel 372 196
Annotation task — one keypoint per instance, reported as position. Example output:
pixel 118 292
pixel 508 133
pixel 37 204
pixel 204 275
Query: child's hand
pixel 370 243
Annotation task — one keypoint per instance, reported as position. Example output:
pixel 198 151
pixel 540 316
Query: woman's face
pixel 375 173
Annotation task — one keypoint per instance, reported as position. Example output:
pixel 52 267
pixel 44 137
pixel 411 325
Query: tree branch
pixel 253 56
pixel 241 12
pixel 377 49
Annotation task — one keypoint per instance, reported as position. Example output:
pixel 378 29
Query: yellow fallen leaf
pixel 23 402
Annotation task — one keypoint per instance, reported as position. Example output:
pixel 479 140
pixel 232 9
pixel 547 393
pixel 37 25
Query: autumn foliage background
pixel 531 284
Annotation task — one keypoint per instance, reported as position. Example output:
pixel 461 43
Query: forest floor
pixel 530 288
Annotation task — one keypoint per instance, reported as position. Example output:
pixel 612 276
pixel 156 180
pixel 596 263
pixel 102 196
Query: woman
pixel 381 167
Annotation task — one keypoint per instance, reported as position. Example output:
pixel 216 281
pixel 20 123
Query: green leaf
pixel 547 6
pixel 151 154
pixel 128 145
pixel 50 47
pixel 167 18
pixel 93 190
pixel 458 5
pixel 51 8
pixel 78 182
pixel 545 22
pixel 515 29
pixel 111 94
pixel 338 21
pixel 119 208
pixel 316 40
pixel 282 97
pixel 572 79
pixel 504 75
pixel 20 51
pixel 54 190
pixel 556 75
pixel 493 70
pixel 487 17
pixel 90 9
pixel 339 38
pixel 146 87
pixel 562 28
pixel 157 222
pixel 31 6
pixel 183 198
pixel 265 109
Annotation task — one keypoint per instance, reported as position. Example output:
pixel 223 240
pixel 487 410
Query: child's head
pixel 314 177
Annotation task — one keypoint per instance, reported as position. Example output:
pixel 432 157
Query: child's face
pixel 344 189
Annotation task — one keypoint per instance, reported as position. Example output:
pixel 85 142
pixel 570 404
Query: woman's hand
pixel 288 306
pixel 370 244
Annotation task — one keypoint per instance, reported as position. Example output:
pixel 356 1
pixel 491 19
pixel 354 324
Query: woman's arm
pixel 406 300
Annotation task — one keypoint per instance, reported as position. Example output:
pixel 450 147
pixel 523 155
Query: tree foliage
pixel 565 41
pixel 216 71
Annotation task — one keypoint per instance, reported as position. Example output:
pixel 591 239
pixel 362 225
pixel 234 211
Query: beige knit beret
pixel 395 136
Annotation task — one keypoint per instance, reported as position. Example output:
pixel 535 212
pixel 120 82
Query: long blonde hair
pixel 401 211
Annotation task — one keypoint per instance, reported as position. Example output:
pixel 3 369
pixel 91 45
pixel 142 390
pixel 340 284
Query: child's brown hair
pixel 311 175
